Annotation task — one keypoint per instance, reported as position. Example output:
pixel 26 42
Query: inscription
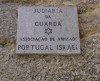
pixel 47 30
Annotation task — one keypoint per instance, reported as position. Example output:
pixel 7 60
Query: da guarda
pixel 48 11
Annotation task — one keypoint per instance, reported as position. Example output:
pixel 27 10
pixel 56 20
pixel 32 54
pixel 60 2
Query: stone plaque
pixel 47 30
